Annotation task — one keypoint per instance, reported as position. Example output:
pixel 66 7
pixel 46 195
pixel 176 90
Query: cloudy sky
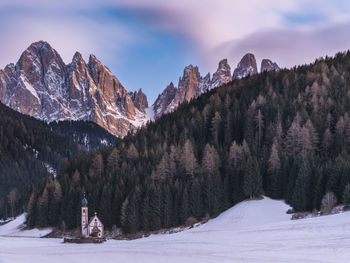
pixel 147 43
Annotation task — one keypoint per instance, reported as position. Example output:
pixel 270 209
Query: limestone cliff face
pixel 189 85
pixel 42 86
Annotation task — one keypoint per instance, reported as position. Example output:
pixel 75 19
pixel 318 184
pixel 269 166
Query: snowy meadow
pixel 252 231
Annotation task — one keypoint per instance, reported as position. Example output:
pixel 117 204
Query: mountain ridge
pixel 41 85
pixel 192 84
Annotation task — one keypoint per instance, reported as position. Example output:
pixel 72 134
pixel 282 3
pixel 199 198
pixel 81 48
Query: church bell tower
pixel 84 217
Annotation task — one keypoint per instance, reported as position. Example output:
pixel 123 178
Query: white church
pixel 93 228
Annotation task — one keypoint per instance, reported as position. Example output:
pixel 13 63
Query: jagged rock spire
pixel 246 67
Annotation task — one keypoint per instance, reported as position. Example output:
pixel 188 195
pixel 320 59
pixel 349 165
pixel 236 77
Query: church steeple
pixel 84 217
pixel 84 202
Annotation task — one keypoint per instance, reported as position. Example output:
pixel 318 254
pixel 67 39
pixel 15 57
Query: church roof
pixel 84 202
pixel 92 218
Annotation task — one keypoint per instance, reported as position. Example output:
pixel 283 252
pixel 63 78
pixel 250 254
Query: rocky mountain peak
pixel 94 62
pixel 139 99
pixel 42 86
pixel 77 57
pixel 268 65
pixel 246 67
pixel 206 83
pixel 189 85
pixel 223 64
pixel 164 99
pixel 222 74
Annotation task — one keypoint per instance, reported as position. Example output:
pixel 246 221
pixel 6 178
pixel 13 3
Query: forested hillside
pixel 285 134
pixel 31 150
pixel 85 133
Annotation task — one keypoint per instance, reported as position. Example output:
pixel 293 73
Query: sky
pixel 147 43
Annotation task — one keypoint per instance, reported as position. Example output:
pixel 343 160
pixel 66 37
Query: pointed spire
pixel 84 202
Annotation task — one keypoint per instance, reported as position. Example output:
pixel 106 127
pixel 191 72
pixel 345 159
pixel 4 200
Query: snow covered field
pixel 253 231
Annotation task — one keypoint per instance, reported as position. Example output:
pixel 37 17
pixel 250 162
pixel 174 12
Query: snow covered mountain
pixel 42 86
pixel 192 84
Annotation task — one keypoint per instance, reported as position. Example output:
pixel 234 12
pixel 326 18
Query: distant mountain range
pixel 192 84
pixel 41 85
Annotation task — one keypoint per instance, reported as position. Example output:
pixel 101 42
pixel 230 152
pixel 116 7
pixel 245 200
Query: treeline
pixel 285 134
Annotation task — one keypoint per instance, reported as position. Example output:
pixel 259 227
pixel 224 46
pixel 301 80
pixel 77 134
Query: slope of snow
pixel 15 229
pixel 251 232
pixel 140 119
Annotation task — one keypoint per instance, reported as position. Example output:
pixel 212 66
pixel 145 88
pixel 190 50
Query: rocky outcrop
pixel 163 100
pixel 246 67
pixel 139 99
pixel 190 86
pixel 42 86
pixel 268 65
pixel 222 74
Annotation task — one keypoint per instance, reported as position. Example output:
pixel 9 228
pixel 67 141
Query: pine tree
pixel 327 140
pixel 184 207
pixel 314 139
pixel 300 195
pixel 274 160
pixel 235 154
pixel 55 203
pixel 346 195
pixel 132 152
pixel 252 181
pixel 260 125
pixel 274 171
pixel 124 215
pixel 215 127
pixel 113 161
pixel 43 207
pixel 188 161
pixel 195 199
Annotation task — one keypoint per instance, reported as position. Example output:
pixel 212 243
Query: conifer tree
pixel 346 195
pixel 188 161
pixel 252 181
pixel 300 195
